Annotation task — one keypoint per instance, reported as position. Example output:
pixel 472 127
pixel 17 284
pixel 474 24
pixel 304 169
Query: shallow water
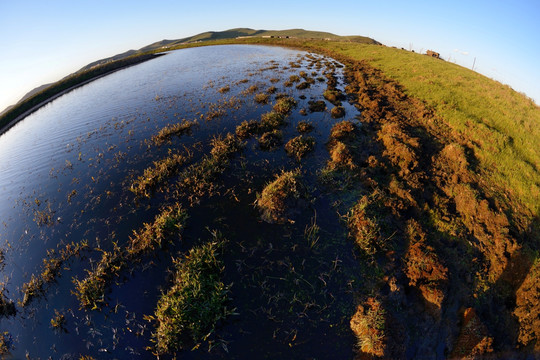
pixel 73 161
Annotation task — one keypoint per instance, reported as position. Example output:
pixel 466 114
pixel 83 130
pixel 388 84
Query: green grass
pixel 503 125
pixel 189 311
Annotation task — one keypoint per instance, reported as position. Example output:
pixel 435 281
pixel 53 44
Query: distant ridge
pixel 233 34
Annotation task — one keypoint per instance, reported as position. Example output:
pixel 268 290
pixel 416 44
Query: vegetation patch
pixel 303 85
pixel 6 344
pixel 271 139
pixel 161 171
pixel 272 120
pixel 58 322
pixel 188 313
pixel 91 290
pixel 247 129
pixel 304 127
pixel 262 98
pixel 280 199
pixel 50 270
pixel 337 112
pixel 179 129
pixel 224 89
pixel 364 228
pixel 369 326
pixel 294 78
pixel 284 105
pixel 333 96
pixel 317 106
pixel 300 146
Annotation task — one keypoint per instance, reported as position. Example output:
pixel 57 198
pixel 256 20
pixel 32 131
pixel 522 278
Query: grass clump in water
pixel 279 198
pixel 159 173
pixel 333 96
pixel 299 146
pixel 284 105
pixel 317 106
pixel 191 309
pixel 247 129
pixel 179 129
pixel 272 120
pixel 52 265
pixel 337 112
pixel 152 236
pixel 294 78
pixel 344 131
pixel 304 127
pixel 91 290
pixel 262 98
pixel 58 322
pixel 224 89
pixel 303 85
pixel 271 139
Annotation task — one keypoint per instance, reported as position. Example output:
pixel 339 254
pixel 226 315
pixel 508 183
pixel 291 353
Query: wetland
pixel 123 196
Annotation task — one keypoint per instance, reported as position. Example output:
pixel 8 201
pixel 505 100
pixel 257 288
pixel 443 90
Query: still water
pixel 65 173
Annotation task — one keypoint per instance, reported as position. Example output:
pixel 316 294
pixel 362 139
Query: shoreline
pixel 36 107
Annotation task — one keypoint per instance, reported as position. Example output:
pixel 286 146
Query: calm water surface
pixel 74 159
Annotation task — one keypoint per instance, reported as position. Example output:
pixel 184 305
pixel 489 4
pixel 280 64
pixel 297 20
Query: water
pixel 72 161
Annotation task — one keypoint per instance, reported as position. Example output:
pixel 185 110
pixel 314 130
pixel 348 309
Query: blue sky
pixel 42 41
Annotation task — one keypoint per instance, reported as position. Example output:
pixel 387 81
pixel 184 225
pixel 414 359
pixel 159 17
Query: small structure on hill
pixel 433 54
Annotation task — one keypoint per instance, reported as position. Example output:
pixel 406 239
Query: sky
pixel 43 41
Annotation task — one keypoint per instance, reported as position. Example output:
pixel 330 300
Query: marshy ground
pixel 310 210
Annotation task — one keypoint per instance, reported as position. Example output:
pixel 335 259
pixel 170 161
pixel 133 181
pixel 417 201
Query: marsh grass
pixel 317 106
pixel 270 139
pixel 247 129
pixel 261 98
pixel 91 290
pixel 50 270
pixel 224 89
pixel 337 112
pixel 364 228
pixel 6 344
pixel 280 196
pixel 189 311
pixel 300 146
pixel 58 322
pixel 166 133
pixel 272 120
pixel 284 105
pixel 304 127
pixel 333 96
pixel 160 172
pixel 198 179
pixel 303 85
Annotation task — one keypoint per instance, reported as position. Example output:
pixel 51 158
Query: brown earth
pixel 450 242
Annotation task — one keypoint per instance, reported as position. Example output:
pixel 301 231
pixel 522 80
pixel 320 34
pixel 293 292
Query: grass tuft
pixel 189 311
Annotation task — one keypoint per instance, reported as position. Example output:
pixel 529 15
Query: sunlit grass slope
pixel 503 126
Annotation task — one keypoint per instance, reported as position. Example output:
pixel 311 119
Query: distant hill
pixel 233 34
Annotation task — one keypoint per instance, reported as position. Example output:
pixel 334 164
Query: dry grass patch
pixel 300 146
